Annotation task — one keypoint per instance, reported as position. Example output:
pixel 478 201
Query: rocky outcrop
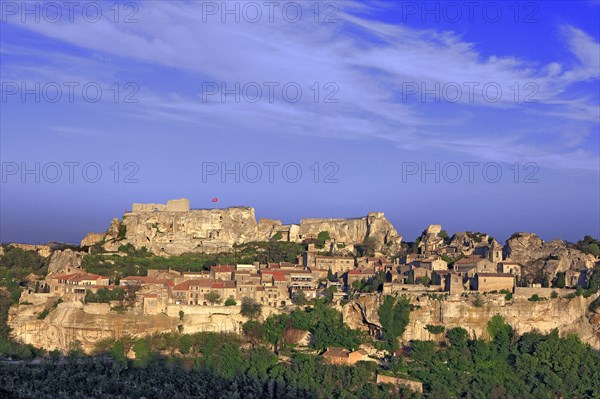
pixel 566 315
pixel 541 257
pixel 374 227
pixel 470 243
pixel 172 230
pixel 173 233
pixel 65 261
pixel 92 239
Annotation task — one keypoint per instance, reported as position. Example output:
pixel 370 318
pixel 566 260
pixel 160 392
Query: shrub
pixel 507 294
pixel 536 298
pixel 435 329
pixel 46 312
pixel 230 301
pixel 478 302
pixel 554 295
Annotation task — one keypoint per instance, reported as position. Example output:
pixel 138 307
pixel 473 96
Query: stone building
pixel 486 282
pixel 473 264
pixel 337 264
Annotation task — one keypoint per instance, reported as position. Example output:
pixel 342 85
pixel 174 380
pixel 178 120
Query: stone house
pixel 473 264
pixel 75 283
pixel 513 268
pixel 336 355
pixel 337 264
pixel 432 263
pixel 272 296
pixel 358 275
pixel 486 282
pixel 222 272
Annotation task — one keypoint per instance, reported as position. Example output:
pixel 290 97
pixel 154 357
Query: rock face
pixel 86 324
pixel 566 315
pixel 91 239
pixel 355 231
pixel 470 243
pixel 174 229
pixel 90 323
pixel 539 256
pixel 63 261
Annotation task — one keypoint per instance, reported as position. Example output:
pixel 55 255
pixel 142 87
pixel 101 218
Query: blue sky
pixel 401 85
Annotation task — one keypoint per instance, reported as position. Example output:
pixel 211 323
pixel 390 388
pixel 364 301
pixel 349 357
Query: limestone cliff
pixel 173 230
pixel 355 231
pixel 566 315
pixel 173 233
pixel 90 323
pixel 547 257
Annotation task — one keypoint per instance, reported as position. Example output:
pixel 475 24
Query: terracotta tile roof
pixel 222 269
pixel 278 276
pixel 79 276
pixel 336 352
pixel 354 271
pixel 228 284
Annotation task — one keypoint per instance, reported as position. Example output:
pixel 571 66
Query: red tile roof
pixel 222 269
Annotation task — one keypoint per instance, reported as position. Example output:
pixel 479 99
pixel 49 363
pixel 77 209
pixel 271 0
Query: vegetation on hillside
pixel 138 261
pixel 15 265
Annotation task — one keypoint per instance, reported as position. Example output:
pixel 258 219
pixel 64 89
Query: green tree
pixel 230 301
pixel 394 317
pixel 142 351
pixel 559 281
pixel 213 297
pixel 250 308
pixel 321 238
pixel 254 331
pixel 185 344
pixel 299 298
pixel 118 352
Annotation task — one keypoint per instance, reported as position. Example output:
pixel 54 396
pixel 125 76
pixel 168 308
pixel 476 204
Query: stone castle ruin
pixel 174 228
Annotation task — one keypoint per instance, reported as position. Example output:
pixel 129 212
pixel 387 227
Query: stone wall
pixel 415 386
pixel 527 292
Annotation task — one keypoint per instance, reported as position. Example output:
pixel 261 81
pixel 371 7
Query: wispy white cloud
pixel 371 62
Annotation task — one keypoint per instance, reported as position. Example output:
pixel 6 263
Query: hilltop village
pixel 330 266
pixel 348 292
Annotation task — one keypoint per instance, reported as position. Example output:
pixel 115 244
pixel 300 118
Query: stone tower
pixel 495 252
